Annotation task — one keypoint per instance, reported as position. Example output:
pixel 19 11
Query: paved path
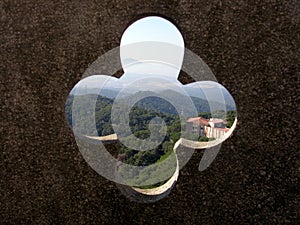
pixel 111 137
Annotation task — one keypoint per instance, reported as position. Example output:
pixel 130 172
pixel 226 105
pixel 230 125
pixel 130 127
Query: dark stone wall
pixel 251 46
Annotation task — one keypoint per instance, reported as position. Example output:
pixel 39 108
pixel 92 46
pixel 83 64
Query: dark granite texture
pixel 251 46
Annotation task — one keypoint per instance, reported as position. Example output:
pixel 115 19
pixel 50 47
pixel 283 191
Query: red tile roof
pixel 199 120
pixel 215 120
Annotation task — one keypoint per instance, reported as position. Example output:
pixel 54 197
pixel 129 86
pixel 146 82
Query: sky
pixel 142 59
pixel 152 28
pixel 154 46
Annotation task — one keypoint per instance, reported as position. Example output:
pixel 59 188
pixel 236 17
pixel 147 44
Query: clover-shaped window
pixel 147 112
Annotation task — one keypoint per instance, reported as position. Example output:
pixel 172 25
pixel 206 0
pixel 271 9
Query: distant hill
pixel 109 93
pixel 197 92
pixel 161 105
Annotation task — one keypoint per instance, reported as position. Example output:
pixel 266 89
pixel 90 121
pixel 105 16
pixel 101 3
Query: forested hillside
pixel 139 118
pixel 139 121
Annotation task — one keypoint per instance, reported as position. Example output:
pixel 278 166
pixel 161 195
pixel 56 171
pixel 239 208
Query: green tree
pixel 205 115
pixel 204 138
pixel 230 117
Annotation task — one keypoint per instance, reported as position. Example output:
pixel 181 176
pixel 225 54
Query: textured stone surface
pixel 251 46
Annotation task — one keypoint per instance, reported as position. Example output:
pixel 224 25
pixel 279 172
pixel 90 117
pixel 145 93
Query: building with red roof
pixel 211 128
pixel 197 125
